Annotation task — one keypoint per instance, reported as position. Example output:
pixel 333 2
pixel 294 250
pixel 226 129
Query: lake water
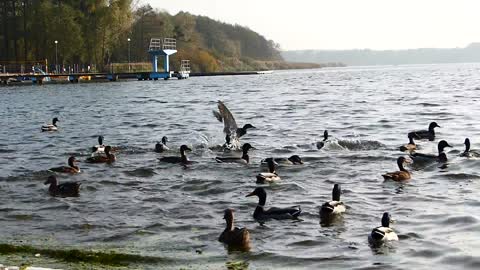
pixel 171 216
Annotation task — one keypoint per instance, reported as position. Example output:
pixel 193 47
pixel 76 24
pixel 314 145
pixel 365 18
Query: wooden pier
pixel 7 79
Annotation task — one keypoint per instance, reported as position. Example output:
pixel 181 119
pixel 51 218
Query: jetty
pixel 158 49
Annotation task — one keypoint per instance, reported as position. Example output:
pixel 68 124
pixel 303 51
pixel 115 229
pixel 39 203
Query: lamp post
pixel 128 54
pixel 56 56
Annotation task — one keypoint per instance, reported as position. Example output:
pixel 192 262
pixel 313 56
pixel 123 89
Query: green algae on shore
pixel 87 256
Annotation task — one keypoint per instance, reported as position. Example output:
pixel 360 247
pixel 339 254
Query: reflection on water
pixel 141 206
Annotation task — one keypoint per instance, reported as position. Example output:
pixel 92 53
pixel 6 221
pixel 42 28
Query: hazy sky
pixel 346 24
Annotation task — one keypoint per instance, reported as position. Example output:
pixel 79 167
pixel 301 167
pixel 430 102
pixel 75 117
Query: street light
pixel 56 56
pixel 128 54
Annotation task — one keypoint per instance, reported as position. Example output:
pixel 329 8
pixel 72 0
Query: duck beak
pixel 189 149
pixel 251 194
pixel 46 182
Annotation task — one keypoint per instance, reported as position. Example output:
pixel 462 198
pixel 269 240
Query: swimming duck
pixel 69 189
pixel 245 159
pixel 411 146
pixel 469 152
pixel 107 158
pixel 293 160
pixel 334 207
pixel 321 144
pixel 162 146
pixel 229 123
pixel 441 157
pixel 71 168
pixel 270 176
pixel 384 233
pixel 400 175
pixel 100 148
pixel 274 212
pixel 175 159
pixel 52 126
pixel 234 236
pixel 425 134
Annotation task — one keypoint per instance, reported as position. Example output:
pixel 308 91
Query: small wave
pixel 459 176
pixel 426 104
pixel 464 220
pixel 141 172
pixel 354 145
pixel 6 150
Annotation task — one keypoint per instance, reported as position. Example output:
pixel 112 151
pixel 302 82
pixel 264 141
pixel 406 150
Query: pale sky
pixel 346 24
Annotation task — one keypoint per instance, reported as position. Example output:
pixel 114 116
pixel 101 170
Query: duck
pixel 321 144
pixel 234 236
pixel 270 176
pixel 384 233
pixel 230 125
pixel 52 126
pixel 100 148
pixel 261 214
pixel 244 159
pixel 333 208
pixel 292 160
pixel 107 158
pixel 410 146
pixel 469 152
pixel 425 134
pixel 162 146
pixel 400 175
pixel 441 157
pixel 69 189
pixel 178 159
pixel 71 168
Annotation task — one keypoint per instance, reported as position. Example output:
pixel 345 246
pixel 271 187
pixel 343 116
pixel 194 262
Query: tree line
pixel 100 32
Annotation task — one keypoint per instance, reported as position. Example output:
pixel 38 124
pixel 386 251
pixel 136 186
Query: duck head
pixel 164 140
pixel 184 148
pixel 401 161
pixel 260 193
pixel 410 138
pixel 247 126
pixel 337 190
pixel 228 216
pixel 71 161
pixel 271 165
pixel 325 135
pixel 54 121
pixel 108 149
pixel 295 159
pixel 386 219
pixel 442 145
pixel 467 144
pixel 246 147
pixel 51 180
pixel 432 126
pixel 100 140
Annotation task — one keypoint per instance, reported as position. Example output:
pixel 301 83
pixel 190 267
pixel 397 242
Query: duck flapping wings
pixel 229 124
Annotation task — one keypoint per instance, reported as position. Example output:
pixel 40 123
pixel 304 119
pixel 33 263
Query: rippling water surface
pixel 140 206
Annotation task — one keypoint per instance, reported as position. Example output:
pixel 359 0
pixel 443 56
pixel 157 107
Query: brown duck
pixel 400 175
pixel 69 189
pixel 71 168
pixel 234 237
